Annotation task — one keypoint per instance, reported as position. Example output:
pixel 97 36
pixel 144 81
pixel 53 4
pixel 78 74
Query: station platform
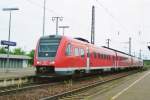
pixel 16 72
pixel 134 87
pixel 138 90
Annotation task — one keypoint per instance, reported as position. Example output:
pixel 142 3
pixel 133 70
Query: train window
pixel 108 57
pixel 120 58
pixel 103 56
pixel 82 53
pixel 95 55
pixel 48 47
pixel 99 56
pixel 76 51
pixel 117 58
pixel 113 57
pixel 88 52
pixel 68 50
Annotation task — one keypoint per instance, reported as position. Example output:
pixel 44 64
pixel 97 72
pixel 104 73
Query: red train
pixel 66 56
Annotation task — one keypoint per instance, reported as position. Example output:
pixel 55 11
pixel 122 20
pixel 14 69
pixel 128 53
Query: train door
pixel 116 60
pixel 88 60
pixel 131 62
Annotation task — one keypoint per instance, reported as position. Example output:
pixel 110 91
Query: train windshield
pixel 48 47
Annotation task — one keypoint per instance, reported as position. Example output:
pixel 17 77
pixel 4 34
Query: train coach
pixel 62 55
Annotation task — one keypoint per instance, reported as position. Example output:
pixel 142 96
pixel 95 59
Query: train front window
pixel 48 47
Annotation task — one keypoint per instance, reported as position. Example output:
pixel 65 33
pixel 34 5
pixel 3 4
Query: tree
pixel 18 51
pixel 31 54
pixel 3 50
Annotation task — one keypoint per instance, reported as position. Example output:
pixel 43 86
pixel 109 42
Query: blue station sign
pixel 10 43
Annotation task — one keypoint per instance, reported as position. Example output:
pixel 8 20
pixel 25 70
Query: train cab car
pixel 59 55
pixel 45 54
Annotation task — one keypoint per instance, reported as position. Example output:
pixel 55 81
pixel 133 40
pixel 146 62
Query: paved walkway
pixel 12 73
pixel 138 90
pixel 134 87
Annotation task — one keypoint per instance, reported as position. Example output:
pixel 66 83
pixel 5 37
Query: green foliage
pixel 147 63
pixel 18 51
pixel 31 54
pixel 3 50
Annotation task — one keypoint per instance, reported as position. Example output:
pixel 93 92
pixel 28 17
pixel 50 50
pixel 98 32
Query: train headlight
pixel 53 62
pixel 38 62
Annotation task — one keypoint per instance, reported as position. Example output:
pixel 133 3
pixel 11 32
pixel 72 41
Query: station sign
pixel 9 43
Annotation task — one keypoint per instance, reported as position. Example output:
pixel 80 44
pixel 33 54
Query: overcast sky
pixel 128 17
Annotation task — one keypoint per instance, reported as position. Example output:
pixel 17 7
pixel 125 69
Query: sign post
pixel 9 44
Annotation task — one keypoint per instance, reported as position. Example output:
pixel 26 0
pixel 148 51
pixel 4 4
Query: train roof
pixel 86 41
pixel 120 52
pixel 50 36
pixel 117 51
pixel 82 39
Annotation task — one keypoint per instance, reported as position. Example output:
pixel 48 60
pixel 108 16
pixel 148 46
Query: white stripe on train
pixel 79 68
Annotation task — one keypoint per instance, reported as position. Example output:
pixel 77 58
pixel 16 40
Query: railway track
pixel 13 90
pixel 81 92
pixel 33 84
pixel 15 81
pixel 55 91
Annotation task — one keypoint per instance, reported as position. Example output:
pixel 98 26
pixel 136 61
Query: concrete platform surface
pixel 16 72
pixel 134 87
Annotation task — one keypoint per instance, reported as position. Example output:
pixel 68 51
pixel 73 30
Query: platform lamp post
pixel 10 11
pixel 130 45
pixel 44 8
pixel 63 28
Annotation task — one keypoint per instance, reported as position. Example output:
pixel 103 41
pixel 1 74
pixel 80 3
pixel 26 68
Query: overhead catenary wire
pixel 111 15
pixel 67 19
pixel 47 9
pixel 78 24
pixel 39 5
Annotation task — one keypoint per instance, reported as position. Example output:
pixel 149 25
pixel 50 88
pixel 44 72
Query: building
pixel 15 61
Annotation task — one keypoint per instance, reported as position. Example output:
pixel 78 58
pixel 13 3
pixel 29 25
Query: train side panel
pixel 71 57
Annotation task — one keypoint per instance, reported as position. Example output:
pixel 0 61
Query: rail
pixel 91 85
